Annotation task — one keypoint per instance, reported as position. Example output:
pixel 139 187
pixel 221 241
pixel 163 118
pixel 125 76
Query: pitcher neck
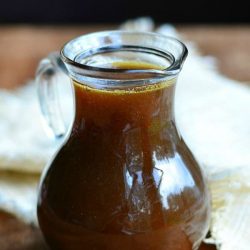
pixel 150 107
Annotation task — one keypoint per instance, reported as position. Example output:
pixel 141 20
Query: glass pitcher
pixel 123 178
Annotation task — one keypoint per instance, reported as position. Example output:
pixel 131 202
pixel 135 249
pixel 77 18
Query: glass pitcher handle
pixel 47 79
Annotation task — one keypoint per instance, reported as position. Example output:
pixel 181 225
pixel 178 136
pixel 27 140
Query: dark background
pixel 110 11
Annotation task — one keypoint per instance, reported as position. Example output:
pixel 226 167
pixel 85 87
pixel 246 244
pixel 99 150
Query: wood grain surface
pixel 21 48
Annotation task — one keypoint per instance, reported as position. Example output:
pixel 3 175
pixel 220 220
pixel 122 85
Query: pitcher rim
pixel 115 74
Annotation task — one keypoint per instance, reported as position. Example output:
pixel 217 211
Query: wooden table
pixel 21 48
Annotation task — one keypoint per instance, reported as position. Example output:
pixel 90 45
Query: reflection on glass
pixel 173 176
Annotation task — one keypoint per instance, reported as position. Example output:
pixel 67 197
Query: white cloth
pixel 24 146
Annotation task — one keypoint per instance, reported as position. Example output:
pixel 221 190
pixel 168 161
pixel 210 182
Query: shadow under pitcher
pixel 123 178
